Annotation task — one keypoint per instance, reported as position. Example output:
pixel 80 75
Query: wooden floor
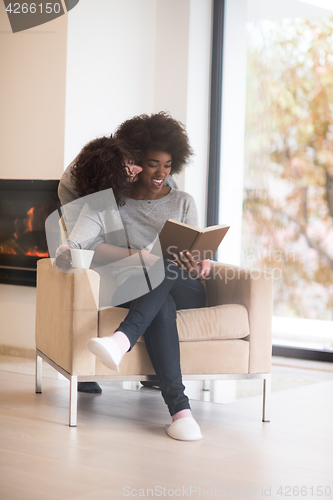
pixel 120 448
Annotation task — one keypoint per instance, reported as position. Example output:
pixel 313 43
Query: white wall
pixel 198 102
pixel 233 128
pixel 32 99
pixel 110 67
pixel 171 59
pixel 17 313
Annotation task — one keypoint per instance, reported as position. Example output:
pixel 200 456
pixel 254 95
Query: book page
pixel 175 238
pixel 206 243
pixel 213 228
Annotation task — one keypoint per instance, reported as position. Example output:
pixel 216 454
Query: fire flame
pixel 28 222
pixel 35 217
pixel 7 251
pixel 16 230
pixel 36 253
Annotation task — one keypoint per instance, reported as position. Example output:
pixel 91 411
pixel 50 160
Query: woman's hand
pixel 63 258
pixel 205 269
pixel 195 269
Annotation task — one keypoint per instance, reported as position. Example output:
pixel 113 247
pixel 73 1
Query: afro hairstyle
pixel 157 132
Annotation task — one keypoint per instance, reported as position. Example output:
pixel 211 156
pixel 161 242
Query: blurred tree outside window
pixel 288 177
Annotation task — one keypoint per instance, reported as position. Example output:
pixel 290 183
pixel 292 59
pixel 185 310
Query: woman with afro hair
pixel 160 132
pixel 163 148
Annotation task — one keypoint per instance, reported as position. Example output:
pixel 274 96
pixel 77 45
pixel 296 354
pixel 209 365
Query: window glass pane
pixel 288 176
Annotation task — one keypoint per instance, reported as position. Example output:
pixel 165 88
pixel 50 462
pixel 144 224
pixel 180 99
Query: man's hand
pixel 63 259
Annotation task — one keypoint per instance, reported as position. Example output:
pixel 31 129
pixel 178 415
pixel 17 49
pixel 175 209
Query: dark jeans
pixel 154 316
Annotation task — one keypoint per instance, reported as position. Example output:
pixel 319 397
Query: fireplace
pixel 24 206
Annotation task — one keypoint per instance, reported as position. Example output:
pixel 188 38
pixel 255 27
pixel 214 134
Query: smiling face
pixel 156 167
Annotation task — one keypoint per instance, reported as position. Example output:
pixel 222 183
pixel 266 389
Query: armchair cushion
pixel 228 321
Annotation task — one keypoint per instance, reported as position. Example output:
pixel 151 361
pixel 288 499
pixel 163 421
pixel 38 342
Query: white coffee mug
pixel 81 259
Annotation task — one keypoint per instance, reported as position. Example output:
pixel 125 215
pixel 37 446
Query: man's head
pixel 105 163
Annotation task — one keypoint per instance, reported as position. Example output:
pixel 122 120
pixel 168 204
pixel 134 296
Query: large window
pixel 287 198
pixel 288 203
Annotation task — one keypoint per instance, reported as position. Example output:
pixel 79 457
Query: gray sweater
pixel 141 220
pixel 136 224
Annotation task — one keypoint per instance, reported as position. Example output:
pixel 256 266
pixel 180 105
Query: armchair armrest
pixel 252 288
pixel 67 316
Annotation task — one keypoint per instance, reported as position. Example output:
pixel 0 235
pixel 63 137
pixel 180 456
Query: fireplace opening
pixel 24 207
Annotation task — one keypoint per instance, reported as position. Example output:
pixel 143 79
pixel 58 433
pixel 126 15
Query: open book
pixel 178 237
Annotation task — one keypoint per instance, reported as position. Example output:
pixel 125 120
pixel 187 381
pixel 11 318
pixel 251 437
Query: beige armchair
pixel 228 339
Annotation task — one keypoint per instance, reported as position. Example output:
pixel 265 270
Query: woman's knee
pixel 168 310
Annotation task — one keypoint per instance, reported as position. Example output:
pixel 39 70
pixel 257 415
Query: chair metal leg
pixel 206 385
pixel 38 374
pixel 266 398
pixel 73 401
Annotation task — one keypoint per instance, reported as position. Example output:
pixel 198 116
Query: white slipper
pixel 106 350
pixel 184 429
